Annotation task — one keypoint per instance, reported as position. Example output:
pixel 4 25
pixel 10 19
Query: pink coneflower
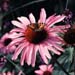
pixel 45 70
pixel 35 36
pixel 5 5
pixel 2 61
pixel 4 42
pixel 10 73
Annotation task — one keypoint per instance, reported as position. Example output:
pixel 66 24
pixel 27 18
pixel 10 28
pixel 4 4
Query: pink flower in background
pixel 10 73
pixel 44 70
pixel 2 61
pixel 5 5
pixel 4 42
pixel 33 37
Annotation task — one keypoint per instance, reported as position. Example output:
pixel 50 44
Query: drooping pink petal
pixel 24 20
pixel 57 30
pixel 18 50
pixel 23 55
pixel 59 41
pixel 46 43
pixel 21 46
pixel 26 51
pixel 41 51
pixel 43 67
pixel 32 18
pixel 39 72
pixel 52 34
pixel 34 55
pixel 61 28
pixel 56 20
pixel 55 38
pixel 53 50
pixel 29 54
pixel 50 19
pixel 18 24
pixel 42 16
pixel 46 52
pixel 56 46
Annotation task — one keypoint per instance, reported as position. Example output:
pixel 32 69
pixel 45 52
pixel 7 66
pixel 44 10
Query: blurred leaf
pixel 58 72
pixel 65 60
pixel 67 56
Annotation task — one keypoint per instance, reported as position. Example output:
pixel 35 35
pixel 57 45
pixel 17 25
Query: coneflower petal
pixel 29 54
pixel 24 21
pixel 42 16
pixel 17 24
pixel 55 20
pixel 36 48
pixel 43 54
pixel 43 67
pixel 32 18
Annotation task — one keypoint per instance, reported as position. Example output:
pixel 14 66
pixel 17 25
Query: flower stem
pixel 8 59
pixel 15 65
pixel 27 4
pixel 66 4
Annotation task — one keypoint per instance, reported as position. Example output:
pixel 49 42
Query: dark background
pixel 51 7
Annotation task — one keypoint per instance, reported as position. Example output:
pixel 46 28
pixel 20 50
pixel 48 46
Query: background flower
pixel 10 73
pixel 44 70
pixel 4 42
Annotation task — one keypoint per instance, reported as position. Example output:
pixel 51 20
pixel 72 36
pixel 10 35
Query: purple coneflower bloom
pixel 9 73
pixel 44 70
pixel 4 42
pixel 33 36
